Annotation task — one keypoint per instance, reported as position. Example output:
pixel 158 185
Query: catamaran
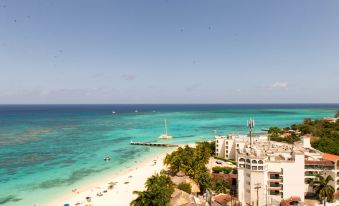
pixel 165 136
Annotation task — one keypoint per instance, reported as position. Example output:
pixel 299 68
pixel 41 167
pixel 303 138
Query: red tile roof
pixel 336 194
pixel 330 157
pixel 223 198
pixel 287 202
pixel 319 162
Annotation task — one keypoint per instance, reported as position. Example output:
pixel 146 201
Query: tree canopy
pixel 327 134
pixel 322 188
pixel 336 114
pixel 220 186
pixel 192 162
pixel 159 189
pixel 185 187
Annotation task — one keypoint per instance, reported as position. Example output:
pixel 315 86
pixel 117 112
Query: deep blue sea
pixel 47 150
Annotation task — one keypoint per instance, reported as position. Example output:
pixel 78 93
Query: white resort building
pixel 271 173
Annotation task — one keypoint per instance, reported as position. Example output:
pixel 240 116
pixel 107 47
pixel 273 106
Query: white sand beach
pixel 122 189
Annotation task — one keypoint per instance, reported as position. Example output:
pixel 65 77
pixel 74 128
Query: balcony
pixel 311 174
pixel 318 168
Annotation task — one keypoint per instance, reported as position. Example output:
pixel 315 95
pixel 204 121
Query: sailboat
pixel 165 136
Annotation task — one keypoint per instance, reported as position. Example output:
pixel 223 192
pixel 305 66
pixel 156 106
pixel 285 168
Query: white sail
pixel 165 136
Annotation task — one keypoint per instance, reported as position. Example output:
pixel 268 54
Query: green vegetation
pixel 226 160
pixel 220 186
pixel 159 189
pixel 322 188
pixel 325 134
pixel 276 134
pixel 212 147
pixel 224 170
pixel 336 114
pixel 291 139
pixel 185 187
pixel 192 162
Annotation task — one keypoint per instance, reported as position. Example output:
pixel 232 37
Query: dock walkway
pixel 154 144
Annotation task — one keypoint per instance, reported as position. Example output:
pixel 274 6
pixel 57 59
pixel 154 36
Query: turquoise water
pixel 47 150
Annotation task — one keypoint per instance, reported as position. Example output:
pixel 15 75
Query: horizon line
pixel 300 103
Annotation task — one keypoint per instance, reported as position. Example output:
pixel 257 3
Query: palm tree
pixel 322 188
pixel 221 186
pixel 159 189
pixel 144 199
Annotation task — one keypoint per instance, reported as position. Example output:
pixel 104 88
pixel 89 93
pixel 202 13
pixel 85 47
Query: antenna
pixel 250 125
pixel 257 187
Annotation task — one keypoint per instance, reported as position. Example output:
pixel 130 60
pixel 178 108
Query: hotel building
pixel 272 172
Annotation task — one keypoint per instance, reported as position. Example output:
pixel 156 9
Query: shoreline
pixel 125 182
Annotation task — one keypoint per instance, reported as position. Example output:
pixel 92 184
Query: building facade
pixel 271 172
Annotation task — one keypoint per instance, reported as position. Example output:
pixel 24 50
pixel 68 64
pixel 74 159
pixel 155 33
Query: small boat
pixel 107 158
pixel 136 111
pixel 165 136
pixel 113 112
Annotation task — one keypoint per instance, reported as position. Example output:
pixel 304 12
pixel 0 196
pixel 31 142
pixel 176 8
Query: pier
pixel 154 144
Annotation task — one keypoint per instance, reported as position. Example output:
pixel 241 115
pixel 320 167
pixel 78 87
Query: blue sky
pixel 169 51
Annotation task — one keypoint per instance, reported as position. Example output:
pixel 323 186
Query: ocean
pixel 48 150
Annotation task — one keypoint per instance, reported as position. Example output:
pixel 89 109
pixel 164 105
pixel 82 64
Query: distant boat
pixel 107 158
pixel 113 112
pixel 165 136
pixel 136 111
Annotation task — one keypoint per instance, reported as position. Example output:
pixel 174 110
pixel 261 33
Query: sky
pixel 169 51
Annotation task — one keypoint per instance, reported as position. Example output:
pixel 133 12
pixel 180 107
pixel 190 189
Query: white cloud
pixel 129 77
pixel 280 85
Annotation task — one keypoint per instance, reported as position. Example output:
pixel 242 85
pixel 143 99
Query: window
pixel 248 161
pixel 248 167
pixel 254 161
pixel 260 162
pixel 254 167
pixel 274 176
pixel 274 192
pixel 248 175
pixel 260 168
pixel 241 160
pixel 274 184
pixel 249 183
pixel 226 147
pixel 241 165
pixel 226 142
pixel 237 145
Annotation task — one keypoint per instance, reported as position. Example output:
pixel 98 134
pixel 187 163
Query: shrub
pixel 225 170
pixel 186 187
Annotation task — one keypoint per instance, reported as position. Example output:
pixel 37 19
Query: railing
pixel 309 174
